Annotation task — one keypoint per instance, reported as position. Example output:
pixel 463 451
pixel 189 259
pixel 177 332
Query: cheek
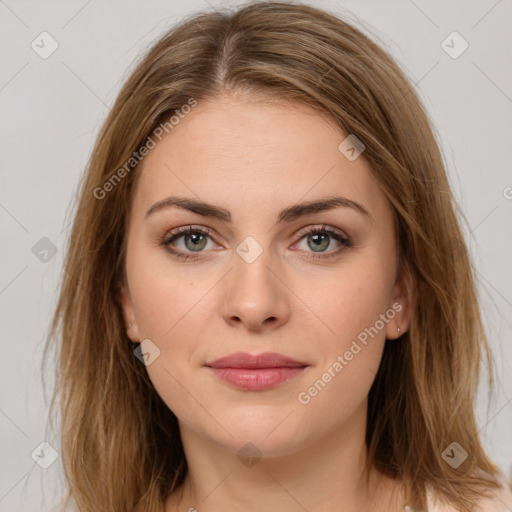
pixel 166 298
pixel 350 334
pixel 346 302
pixel 349 362
pixel 167 309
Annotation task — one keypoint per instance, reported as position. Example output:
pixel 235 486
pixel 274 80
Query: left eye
pixel 320 239
pixel 195 239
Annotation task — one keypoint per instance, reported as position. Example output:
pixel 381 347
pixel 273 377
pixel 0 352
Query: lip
pixel 265 360
pixel 256 372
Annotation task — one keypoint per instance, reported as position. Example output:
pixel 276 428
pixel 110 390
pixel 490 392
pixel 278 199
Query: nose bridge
pixel 254 292
pixel 251 273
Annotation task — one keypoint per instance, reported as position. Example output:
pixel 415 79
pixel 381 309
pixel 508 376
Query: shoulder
pixel 501 501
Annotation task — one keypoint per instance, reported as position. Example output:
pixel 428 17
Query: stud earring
pixel 398 329
pixel 129 325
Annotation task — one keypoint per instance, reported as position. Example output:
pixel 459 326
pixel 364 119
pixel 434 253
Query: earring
pixel 398 329
pixel 129 325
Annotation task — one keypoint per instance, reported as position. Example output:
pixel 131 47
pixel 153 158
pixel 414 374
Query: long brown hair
pixel 121 446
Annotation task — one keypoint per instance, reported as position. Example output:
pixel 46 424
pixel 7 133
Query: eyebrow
pixel 289 214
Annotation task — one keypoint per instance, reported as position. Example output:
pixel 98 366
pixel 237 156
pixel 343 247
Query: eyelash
pixel 187 230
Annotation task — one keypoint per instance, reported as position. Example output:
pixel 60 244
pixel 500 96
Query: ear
pixel 402 302
pixel 125 300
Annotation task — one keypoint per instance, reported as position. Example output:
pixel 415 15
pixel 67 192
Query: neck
pixel 317 477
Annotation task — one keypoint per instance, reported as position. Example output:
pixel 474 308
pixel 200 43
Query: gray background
pixel 51 110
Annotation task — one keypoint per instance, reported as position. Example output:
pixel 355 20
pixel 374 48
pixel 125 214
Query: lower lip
pixel 257 379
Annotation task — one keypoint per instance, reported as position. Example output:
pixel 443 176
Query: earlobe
pixel 403 303
pixel 132 331
pixel 126 305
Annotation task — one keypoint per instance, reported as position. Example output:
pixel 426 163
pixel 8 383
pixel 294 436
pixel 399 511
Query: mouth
pixel 256 372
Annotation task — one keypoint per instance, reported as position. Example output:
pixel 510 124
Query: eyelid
pixel 183 230
pixel 321 227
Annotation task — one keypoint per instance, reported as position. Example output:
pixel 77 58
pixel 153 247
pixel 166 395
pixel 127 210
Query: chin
pixel 268 437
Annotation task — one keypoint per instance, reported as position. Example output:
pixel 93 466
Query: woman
pixel 267 303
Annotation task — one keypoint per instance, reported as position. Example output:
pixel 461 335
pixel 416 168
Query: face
pixel 317 285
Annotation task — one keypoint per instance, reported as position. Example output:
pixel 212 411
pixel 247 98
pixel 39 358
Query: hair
pixel 120 443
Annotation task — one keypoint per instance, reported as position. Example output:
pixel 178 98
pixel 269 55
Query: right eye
pixel 194 239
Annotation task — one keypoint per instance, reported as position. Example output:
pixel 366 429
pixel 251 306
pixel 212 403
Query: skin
pixel 254 159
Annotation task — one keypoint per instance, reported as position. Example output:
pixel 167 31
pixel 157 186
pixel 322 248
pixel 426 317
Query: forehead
pixel 252 155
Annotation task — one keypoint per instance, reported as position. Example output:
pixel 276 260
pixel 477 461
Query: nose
pixel 256 296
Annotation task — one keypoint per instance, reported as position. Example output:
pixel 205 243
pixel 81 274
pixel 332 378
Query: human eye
pixel 194 240
pixel 321 237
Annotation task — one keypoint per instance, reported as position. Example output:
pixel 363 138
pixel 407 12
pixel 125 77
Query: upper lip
pixel 245 360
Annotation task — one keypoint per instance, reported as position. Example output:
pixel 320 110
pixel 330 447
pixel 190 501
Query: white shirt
pixel 500 502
